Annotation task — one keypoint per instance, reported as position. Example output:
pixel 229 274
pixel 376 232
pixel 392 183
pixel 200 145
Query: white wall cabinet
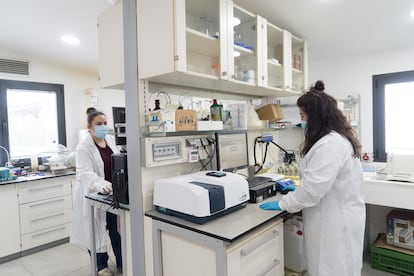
pixel 45 210
pixel 9 216
pixel 111 47
pixel 284 59
pixel 258 253
pixel 195 43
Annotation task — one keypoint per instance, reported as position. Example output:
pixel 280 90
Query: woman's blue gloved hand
pixel 273 205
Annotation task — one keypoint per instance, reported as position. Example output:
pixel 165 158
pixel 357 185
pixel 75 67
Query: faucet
pixel 8 163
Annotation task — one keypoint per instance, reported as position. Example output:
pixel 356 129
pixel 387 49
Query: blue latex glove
pixel 273 205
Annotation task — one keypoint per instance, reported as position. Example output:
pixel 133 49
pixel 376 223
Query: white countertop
pixel 389 193
pixel 228 227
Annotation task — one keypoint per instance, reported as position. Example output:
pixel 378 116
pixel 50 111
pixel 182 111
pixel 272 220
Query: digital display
pixel 232 150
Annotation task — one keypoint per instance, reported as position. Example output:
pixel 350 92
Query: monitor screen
pixel 119 125
pixel 231 150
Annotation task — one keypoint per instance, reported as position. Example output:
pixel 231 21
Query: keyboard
pixel 257 180
pixel 108 198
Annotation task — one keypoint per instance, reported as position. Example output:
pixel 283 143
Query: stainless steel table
pixel 96 201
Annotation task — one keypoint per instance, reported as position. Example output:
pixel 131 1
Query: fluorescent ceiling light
pixel 236 54
pixel 70 39
pixel 412 13
pixel 236 21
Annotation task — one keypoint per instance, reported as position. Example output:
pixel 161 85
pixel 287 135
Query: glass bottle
pixel 215 110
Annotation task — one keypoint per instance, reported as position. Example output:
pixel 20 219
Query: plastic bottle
pixel 215 110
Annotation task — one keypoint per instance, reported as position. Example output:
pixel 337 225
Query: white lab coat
pixel 331 196
pixel 90 177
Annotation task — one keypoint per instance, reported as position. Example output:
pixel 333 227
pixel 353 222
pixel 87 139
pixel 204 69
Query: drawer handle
pixel 51 216
pixel 247 251
pixel 47 202
pixel 269 268
pixel 47 232
pixel 45 188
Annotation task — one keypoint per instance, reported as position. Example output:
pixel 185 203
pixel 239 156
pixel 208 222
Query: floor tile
pixel 59 260
pixel 84 271
pixel 14 268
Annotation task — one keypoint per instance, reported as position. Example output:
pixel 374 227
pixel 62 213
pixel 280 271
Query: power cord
pixel 288 158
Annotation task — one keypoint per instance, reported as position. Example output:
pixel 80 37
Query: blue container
pixel 4 174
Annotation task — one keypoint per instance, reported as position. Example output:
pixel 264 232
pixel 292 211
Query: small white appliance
pixel 201 196
pixel 400 166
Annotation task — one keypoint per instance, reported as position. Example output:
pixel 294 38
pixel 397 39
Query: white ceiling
pixel 32 28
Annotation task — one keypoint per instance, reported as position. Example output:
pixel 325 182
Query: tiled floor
pixel 70 260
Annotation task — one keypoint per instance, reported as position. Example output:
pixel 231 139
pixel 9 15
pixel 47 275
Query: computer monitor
pixel 231 150
pixel 119 125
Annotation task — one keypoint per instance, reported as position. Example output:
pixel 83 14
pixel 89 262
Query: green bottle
pixel 215 110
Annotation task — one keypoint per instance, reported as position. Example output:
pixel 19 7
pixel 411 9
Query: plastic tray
pixel 392 261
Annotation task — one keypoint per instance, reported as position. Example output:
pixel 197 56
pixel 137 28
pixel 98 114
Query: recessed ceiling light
pixel 236 21
pixel 412 13
pixel 70 39
pixel 236 53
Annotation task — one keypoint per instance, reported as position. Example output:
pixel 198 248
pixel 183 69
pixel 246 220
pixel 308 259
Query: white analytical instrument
pixel 400 166
pixel 201 196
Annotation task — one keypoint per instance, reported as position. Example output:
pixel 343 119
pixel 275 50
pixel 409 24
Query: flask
pixel 215 110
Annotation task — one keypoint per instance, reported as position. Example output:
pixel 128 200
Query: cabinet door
pixel 243 57
pixel 180 36
pixel 111 47
pixel 259 254
pixel 9 216
pixel 200 37
pixel 273 56
pixel 295 63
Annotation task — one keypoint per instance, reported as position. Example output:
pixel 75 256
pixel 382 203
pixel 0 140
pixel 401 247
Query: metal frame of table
pixel 95 202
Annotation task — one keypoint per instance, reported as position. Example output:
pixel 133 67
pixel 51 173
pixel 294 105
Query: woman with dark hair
pixel 94 174
pixel 330 193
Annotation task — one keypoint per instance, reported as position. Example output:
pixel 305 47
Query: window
pixel 32 117
pixel 393 97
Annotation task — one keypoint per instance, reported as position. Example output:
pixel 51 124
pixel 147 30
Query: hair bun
pixel 90 110
pixel 319 86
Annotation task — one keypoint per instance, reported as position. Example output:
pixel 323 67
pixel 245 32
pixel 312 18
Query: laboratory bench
pixel 240 243
pixel 36 176
pixel 380 197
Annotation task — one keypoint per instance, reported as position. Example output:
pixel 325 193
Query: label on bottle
pixel 215 113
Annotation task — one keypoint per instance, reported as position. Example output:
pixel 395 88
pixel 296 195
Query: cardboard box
pixel 271 112
pixel 400 228
pixel 185 120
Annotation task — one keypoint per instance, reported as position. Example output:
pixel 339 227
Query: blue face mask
pixel 101 131
pixel 304 125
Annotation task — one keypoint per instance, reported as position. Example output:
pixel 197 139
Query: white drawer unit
pixel 42 208
pixel 45 210
pixel 45 236
pixel 46 220
pixel 258 254
pixel 44 189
